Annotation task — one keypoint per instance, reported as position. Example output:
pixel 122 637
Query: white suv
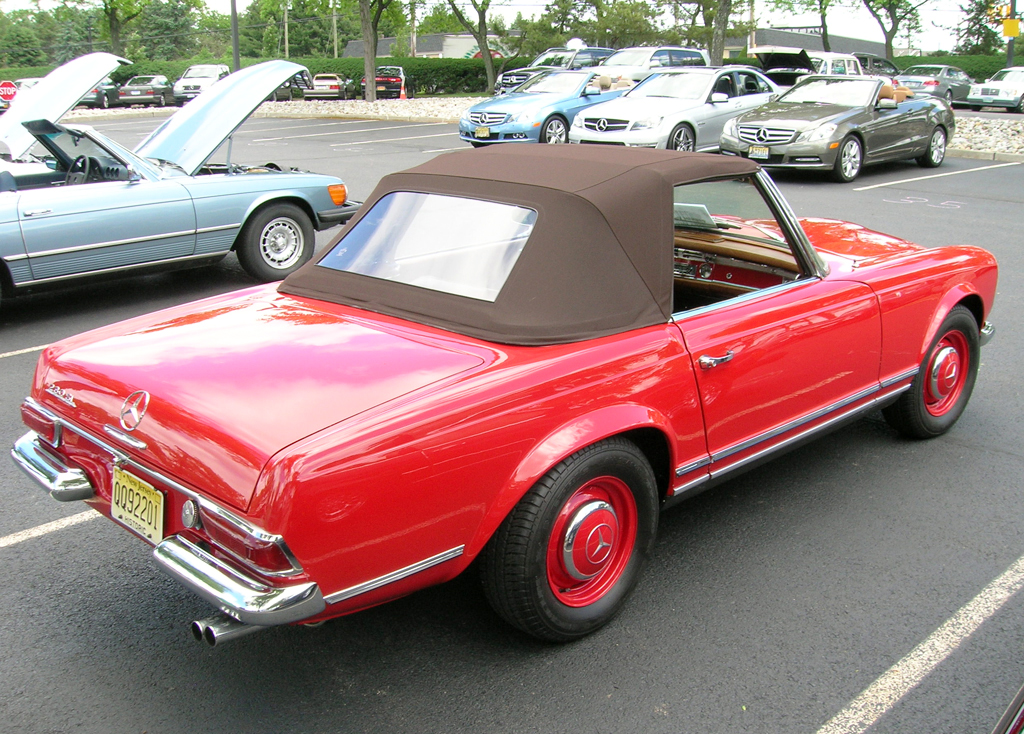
pixel 197 79
pixel 639 62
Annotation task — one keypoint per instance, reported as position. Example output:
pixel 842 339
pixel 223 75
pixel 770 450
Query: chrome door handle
pixel 706 361
pixel 37 212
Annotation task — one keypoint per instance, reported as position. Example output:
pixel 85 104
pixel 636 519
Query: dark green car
pixel 840 124
pixel 148 89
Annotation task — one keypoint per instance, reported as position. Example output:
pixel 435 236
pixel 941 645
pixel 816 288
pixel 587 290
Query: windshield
pixel 923 71
pixel 1009 75
pixel 466 247
pixel 629 57
pixel 564 82
pixel 677 86
pixel 553 58
pixel 842 92
pixel 201 72
pixel 140 80
pixel 389 71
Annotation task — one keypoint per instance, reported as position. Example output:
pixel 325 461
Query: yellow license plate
pixel 758 152
pixel 381 88
pixel 482 132
pixel 137 505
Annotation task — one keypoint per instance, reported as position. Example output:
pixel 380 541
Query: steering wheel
pixel 78 171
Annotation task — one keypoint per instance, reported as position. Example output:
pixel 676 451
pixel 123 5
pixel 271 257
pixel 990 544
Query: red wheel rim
pixel 946 373
pixel 591 541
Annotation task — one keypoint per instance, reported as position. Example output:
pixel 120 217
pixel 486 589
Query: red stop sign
pixel 7 90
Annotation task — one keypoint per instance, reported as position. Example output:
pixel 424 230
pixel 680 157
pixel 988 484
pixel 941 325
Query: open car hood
pixel 783 57
pixel 52 97
pixel 190 136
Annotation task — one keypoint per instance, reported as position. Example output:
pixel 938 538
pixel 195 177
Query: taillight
pixel 932 83
pixel 250 545
pixel 338 193
pixel 42 421
pixel 333 86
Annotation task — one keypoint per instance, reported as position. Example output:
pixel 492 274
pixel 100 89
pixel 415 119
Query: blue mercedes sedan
pixel 539 111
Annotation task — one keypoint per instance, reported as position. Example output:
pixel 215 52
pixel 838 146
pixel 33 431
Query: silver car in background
pixel 839 124
pixel 936 80
pixel 1004 89
pixel 679 109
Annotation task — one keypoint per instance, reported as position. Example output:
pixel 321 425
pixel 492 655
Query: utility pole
pixel 236 63
pixel 286 29
pixel 1009 44
pixel 334 26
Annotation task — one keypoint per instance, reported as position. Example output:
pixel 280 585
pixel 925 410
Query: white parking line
pixel 260 130
pixel 48 528
pixel 900 679
pixel 23 351
pixel 445 150
pixel 936 175
pixel 391 140
pixel 349 132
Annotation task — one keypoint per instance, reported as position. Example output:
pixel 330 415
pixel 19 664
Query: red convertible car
pixel 513 355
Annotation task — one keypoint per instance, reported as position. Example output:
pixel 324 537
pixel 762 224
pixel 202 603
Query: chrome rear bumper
pixel 246 599
pixel 61 481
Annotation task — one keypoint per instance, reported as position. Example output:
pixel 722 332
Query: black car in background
pixel 146 89
pixel 391 82
pixel 101 96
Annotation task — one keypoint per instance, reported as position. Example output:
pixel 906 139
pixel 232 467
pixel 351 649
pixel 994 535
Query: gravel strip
pixel 1004 138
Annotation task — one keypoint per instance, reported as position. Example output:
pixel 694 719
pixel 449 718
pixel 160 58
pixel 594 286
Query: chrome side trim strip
pixel 394 576
pixel 15 258
pixel 245 598
pixel 687 468
pixel 61 481
pixel 785 428
pixel 909 374
pixel 803 434
pixel 715 473
pixel 988 330
pixel 120 268
pixel 204 230
pixel 111 243
pixel 125 438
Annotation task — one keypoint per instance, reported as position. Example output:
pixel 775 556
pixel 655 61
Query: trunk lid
pixel 237 380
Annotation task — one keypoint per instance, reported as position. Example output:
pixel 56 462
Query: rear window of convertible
pixel 465 247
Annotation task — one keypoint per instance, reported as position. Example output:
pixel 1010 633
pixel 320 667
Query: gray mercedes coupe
pixel 840 124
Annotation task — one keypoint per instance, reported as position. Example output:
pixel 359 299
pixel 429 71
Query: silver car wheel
pixel 850 155
pixel 937 148
pixel 681 139
pixel 554 132
pixel 281 243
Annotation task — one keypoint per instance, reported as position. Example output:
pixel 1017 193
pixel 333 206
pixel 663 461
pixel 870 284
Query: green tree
pixel 167 29
pixel 979 34
pixel 894 16
pixel 479 30
pixel 118 14
pixel 370 12
pixel 21 46
pixel 821 7
pixel 440 19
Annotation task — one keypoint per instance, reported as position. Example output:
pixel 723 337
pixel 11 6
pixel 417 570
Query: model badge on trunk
pixel 62 395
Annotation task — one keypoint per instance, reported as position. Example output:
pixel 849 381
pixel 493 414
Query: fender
pixel 564 441
pixel 291 196
pixel 952 297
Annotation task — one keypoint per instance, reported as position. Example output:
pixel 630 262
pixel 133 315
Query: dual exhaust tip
pixel 220 629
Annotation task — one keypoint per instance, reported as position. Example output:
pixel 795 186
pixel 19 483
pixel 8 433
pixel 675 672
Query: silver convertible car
pixel 839 124
pixel 74 203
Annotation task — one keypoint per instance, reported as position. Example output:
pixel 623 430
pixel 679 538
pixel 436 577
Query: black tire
pixel 942 388
pixel 1020 105
pixel 161 101
pixel 104 102
pixel 682 138
pixel 554 131
pixel 275 242
pixel 949 97
pixel 975 108
pixel 524 567
pixel 849 160
pixel 935 153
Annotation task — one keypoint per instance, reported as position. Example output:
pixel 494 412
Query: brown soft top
pixel 599 259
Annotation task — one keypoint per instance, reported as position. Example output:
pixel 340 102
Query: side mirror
pixel 773 97
pixel 131 175
pixel 719 97
pixel 886 104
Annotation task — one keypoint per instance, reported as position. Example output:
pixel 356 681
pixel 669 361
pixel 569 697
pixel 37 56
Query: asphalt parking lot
pixel 788 600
